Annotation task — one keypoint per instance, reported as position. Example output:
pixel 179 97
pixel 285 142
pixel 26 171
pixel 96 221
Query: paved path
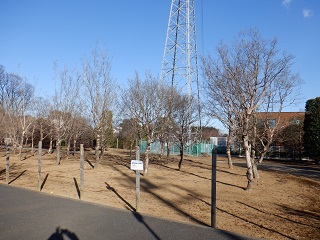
pixel 310 171
pixel 26 214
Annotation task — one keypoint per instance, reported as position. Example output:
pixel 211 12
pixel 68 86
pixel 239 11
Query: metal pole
pixel 137 181
pixel 214 188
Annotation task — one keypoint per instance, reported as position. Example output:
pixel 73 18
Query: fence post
pixel 213 188
pixel 7 160
pixel 81 171
pixel 39 165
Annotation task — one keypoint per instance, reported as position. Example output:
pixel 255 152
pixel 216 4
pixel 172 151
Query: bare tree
pixel 64 103
pixel 253 70
pixel 25 121
pixel 15 97
pixel 218 97
pixel 142 102
pixel 184 114
pixel 99 92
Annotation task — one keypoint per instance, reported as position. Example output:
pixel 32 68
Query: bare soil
pixel 281 206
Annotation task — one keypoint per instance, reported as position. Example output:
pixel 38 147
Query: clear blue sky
pixel 34 34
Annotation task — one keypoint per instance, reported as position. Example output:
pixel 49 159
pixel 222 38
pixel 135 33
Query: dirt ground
pixel 281 206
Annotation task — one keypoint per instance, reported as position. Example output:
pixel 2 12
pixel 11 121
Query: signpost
pixel 137 166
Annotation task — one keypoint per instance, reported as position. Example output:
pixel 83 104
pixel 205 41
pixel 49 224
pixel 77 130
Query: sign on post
pixel 136 165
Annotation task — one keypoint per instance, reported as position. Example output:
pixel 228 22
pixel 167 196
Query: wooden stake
pixel 7 160
pixel 39 165
pixel 81 171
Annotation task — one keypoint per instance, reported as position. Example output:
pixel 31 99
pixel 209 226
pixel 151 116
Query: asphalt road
pixel 26 214
pixel 307 170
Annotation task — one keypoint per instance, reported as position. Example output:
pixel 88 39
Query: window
pixel 271 123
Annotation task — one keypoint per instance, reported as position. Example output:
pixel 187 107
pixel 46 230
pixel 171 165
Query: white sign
pixel 136 165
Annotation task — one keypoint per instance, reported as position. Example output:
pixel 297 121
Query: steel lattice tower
pixel 180 62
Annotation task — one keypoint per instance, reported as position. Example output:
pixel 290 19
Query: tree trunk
pixel 21 146
pixel 146 164
pixel 229 141
pixel 181 155
pixel 58 146
pixel 68 147
pixel 74 147
pixel 32 142
pixel 168 150
pixel 247 148
pixel 97 152
pixel 51 145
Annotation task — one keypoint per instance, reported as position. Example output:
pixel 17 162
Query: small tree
pixel 184 115
pixel 312 129
pixel 142 102
pixel 99 91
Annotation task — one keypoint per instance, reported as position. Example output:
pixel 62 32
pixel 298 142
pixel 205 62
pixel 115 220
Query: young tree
pixel 64 103
pixel 184 115
pixel 142 102
pixel 99 91
pixel 312 129
pixel 252 69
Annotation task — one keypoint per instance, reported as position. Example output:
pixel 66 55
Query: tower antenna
pixel 180 60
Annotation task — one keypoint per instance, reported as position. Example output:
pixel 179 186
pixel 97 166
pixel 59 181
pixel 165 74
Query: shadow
pixel 253 223
pixel 139 217
pixel 77 187
pixel 44 181
pixel 301 213
pixel 224 171
pixel 228 184
pixel 197 164
pixel 300 171
pixel 26 157
pixel 61 233
pixel 91 165
pixel 145 183
pixel 174 169
pixel 12 168
pixel 120 197
pixel 201 200
pixel 259 210
pixel 17 177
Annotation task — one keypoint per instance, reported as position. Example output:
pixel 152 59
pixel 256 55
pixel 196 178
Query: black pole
pixel 213 188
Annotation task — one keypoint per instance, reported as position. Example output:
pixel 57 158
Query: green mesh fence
pixel 193 149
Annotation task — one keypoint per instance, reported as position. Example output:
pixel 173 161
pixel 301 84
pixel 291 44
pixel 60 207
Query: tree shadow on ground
pixel 243 219
pixel 235 174
pixel 182 171
pixel 306 214
pixel 231 185
pixel 149 187
pixel 287 219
